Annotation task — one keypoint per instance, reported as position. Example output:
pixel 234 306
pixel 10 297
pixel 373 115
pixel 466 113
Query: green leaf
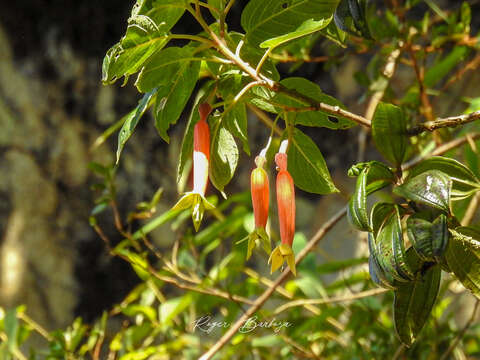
pixel 172 97
pixel 173 307
pixel 463 179
pixel 311 90
pixel 217 4
pixel 377 274
pixel 147 31
pixel 306 28
pixel 419 232
pixel 440 236
pixel 267 19
pixel 463 257
pixel 223 157
pixel 381 211
pixel 307 166
pixel 437 72
pixel 350 17
pixel 236 122
pixel 391 250
pixel 379 175
pixel 431 187
pixel 131 121
pixel 357 206
pixel 414 301
pixel 163 68
pixel 11 326
pixel 389 131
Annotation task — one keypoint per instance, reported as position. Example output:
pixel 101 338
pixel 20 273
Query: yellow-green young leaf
pixel 414 300
pixel 173 307
pixel 306 28
pixel 311 90
pixel 431 188
pixel 463 257
pixel 357 206
pixel 307 165
pixel 389 131
pixel 132 120
pixel 147 31
pixel 172 97
pixel 266 19
pixel 223 157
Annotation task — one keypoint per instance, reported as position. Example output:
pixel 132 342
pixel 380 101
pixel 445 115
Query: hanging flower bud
pixel 195 200
pixel 286 216
pixel 260 193
pixel 260 200
pixel 201 150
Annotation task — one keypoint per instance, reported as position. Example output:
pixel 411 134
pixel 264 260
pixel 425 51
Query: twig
pixel 471 210
pixel 440 150
pixel 303 302
pixel 461 333
pixel 388 72
pixel 36 326
pixel 268 292
pixel 438 123
pixel 265 119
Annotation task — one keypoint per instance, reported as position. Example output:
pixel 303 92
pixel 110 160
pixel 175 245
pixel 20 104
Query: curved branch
pixel 266 295
pixel 451 121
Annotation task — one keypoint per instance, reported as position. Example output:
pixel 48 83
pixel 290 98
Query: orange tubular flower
pixel 286 216
pixel 195 200
pixel 259 187
pixel 201 150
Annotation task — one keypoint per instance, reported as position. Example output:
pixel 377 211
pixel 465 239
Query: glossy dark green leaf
pixel 419 232
pixel 463 257
pixel 307 166
pixel 132 120
pixel 147 31
pixel 414 301
pixel 379 175
pixel 261 18
pixel 378 275
pixel 431 188
pixel 172 97
pixel 223 157
pixel 357 205
pixel 380 213
pixel 463 179
pixel 350 17
pixel 311 90
pixel 440 236
pixel 391 250
pixel 389 131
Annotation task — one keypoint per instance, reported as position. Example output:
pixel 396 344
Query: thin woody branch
pixel 451 121
pixel 268 292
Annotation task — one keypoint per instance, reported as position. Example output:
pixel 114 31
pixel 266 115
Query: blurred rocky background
pixel 53 107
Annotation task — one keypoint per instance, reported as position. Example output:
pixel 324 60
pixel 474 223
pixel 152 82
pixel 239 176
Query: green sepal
pixel 278 256
pixel 261 235
pixel 197 203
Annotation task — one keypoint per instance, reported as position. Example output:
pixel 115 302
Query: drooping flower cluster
pixel 286 210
